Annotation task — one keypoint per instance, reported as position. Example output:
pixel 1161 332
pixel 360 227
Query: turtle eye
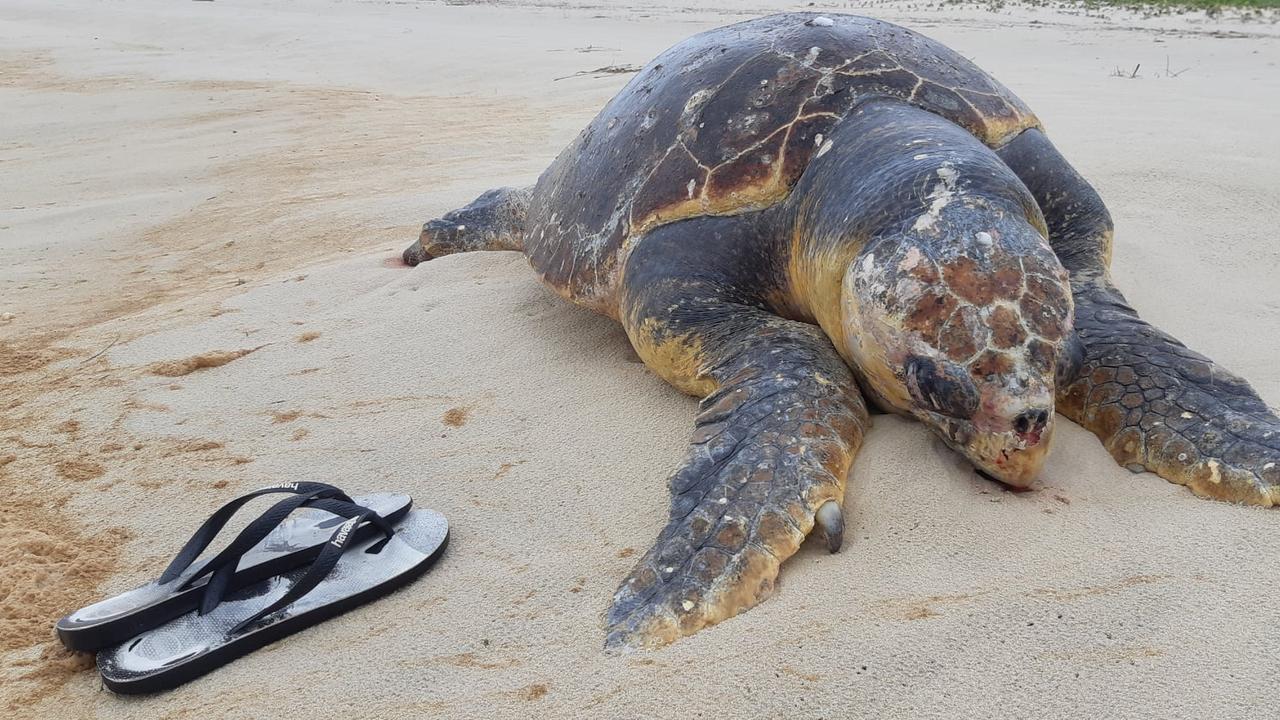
pixel 941 387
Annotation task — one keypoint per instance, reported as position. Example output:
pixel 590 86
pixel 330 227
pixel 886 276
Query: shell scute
pixel 760 97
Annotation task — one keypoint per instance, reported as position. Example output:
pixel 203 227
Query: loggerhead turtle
pixel 794 213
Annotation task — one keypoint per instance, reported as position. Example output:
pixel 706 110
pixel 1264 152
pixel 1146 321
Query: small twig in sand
pixel 602 71
pixel 98 354
pixel 1125 74
pixel 1168 72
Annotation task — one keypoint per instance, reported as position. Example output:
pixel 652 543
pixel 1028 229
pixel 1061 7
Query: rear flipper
pixel 1155 404
pixel 1159 406
pixel 493 221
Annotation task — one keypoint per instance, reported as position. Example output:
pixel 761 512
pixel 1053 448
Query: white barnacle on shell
pixel 817 140
pixel 941 195
pixel 823 150
pixel 821 21
pixel 812 56
pixel 692 184
pixel 984 239
pixel 696 101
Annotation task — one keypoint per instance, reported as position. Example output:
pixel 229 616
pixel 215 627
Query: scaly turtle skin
pixel 793 213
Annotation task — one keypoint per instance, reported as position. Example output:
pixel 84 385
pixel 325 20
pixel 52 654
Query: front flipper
pixel 770 451
pixel 1155 404
pixel 1159 406
pixel 493 221
pixel 773 441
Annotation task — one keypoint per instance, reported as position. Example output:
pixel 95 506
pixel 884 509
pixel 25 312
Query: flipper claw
pixel 830 520
pixel 415 254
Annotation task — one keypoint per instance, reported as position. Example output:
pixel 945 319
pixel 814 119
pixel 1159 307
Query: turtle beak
pixel 1014 458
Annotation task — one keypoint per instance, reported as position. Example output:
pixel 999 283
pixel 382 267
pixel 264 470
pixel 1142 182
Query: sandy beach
pixel 201 208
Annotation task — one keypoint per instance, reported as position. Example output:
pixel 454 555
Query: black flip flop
pixel 346 573
pixel 278 541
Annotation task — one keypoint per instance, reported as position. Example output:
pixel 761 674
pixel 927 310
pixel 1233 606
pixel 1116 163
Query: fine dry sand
pixel 199 203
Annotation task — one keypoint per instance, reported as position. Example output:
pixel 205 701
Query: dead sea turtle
pixel 794 213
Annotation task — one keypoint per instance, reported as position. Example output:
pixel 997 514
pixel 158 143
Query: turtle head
pixel 961 321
